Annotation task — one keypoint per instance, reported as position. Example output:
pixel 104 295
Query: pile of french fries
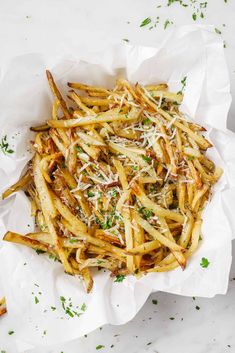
pixel 118 181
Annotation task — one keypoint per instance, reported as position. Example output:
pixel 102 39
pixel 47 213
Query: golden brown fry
pixel 39 128
pixel 57 94
pixel 20 184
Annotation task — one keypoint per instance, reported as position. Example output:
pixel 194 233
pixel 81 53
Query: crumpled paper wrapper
pixel 194 52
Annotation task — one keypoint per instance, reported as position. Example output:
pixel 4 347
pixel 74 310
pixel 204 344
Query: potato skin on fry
pixel 118 181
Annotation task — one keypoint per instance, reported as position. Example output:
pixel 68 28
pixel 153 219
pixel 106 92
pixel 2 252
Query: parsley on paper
pixel 154 301
pixel 119 278
pixel 183 83
pixel 204 262
pixel 69 309
pixel 217 31
pixel 38 251
pixel 145 22
pixel 100 346
pixel 4 146
pixel 11 332
pixel 167 23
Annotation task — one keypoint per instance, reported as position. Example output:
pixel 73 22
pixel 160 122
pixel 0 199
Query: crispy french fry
pixel 57 94
pixel 21 183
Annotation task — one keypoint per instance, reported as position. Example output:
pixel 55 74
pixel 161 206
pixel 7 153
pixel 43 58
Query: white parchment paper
pixel 194 52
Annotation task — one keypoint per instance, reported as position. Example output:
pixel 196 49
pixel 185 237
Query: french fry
pixel 21 183
pixel 57 94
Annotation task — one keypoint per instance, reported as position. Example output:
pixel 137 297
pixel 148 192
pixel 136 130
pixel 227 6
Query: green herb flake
pixel 146 158
pixel 107 225
pixel 154 301
pixel 217 31
pixel 167 23
pixel 4 146
pixel 148 344
pixel 36 300
pixel 190 158
pixel 119 278
pixel 126 40
pixel 171 318
pixel 53 257
pixel 147 121
pixel 194 16
pixel 79 149
pixel 100 346
pixel 90 194
pixel 204 262
pixel 135 167
pixel 73 240
pixel 113 193
pixel 83 307
pixel 11 332
pixel 53 308
pixel 197 307
pixel 39 251
pixel 145 22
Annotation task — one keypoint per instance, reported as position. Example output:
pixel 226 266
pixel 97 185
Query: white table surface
pixel 57 26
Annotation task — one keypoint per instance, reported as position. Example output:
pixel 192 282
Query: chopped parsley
pixel 113 193
pixel 73 240
pixel 145 22
pixel 217 31
pixel 145 212
pixel 11 332
pixel 79 149
pixel 126 40
pixel 167 23
pixel 190 158
pixel 197 307
pixel 67 305
pixel 108 224
pixel 36 300
pixel 204 262
pixel 119 278
pixel 83 307
pixel 100 346
pixel 39 251
pixel 90 194
pixel 146 121
pixel 183 83
pixel 154 301
pixel 4 146
pixel 53 308
pixel 194 16
pixel 146 158
pixel 53 257
pixel 135 167
pixel 172 318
